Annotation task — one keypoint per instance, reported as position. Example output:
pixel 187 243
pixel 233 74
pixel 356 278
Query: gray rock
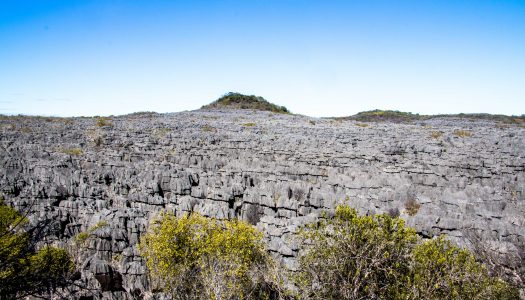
pixel 279 175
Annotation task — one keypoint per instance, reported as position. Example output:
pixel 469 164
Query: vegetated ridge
pixel 239 101
pixel 396 116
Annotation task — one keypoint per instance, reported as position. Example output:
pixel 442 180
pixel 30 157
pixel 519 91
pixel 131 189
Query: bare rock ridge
pixel 109 176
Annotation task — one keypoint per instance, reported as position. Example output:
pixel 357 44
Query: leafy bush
pixel 353 257
pixel 377 257
pixel 193 257
pixel 24 270
pixel 444 271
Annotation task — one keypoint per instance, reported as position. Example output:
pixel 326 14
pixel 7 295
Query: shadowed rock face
pixel 275 171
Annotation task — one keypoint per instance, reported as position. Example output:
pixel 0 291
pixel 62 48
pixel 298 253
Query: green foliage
pixel 385 115
pixel 82 237
pixel 52 263
pixel 193 257
pixel 23 269
pixel 250 124
pixel 353 257
pixel 240 101
pixel 444 271
pixel 377 257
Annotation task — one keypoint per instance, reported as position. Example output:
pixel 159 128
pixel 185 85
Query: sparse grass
pixel 412 207
pixel 104 122
pixel 82 237
pixel 208 128
pixel 462 133
pixel 436 134
pixel 361 125
pixel 68 121
pixel 161 132
pixel 26 129
pixel 72 151
pixel 250 124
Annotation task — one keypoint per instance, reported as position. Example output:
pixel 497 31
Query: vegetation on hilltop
pixel 396 116
pixel 240 101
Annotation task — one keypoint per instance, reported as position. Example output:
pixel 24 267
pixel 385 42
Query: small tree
pixel 193 257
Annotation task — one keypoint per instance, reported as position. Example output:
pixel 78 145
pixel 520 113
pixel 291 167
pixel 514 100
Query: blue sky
pixel 318 58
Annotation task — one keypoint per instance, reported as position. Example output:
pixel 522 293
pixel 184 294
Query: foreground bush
pixel 24 270
pixel 377 257
pixel 193 257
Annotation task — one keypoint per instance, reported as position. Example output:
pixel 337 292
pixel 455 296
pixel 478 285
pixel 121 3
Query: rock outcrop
pixel 109 179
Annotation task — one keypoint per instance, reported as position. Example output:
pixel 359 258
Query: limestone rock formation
pixel 278 171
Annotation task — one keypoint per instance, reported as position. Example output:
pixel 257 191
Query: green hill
pixel 240 101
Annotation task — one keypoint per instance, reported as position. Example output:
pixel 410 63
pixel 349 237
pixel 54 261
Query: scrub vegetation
pixel 193 257
pixel 240 101
pixel 27 269
pixel 343 257
pixel 396 116
pixel 377 257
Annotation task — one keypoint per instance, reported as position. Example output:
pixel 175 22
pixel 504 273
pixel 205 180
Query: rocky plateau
pixel 109 177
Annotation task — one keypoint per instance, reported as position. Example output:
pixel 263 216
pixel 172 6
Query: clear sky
pixel 318 58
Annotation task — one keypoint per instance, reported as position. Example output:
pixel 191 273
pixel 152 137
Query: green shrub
pixel 24 270
pixel 81 238
pixel 443 271
pixel 377 257
pixel 193 257
pixel 355 257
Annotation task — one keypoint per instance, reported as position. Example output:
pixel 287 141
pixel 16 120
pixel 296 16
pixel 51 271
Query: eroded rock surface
pixel 275 171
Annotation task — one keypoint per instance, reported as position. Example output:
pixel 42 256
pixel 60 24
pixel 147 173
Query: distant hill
pixel 240 101
pixel 405 117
